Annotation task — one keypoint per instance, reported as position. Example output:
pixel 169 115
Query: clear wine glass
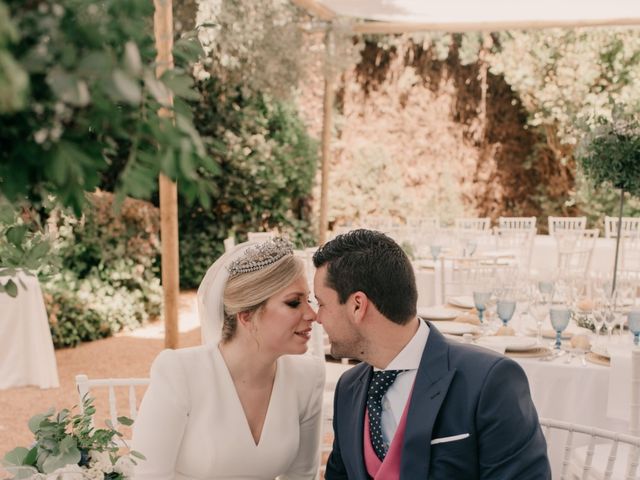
pixel 559 316
pixel 546 289
pixel 539 309
pixel 435 251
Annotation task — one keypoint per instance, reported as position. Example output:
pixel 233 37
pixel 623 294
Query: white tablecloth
pixel 26 350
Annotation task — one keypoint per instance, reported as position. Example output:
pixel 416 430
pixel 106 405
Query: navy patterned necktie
pixel 380 383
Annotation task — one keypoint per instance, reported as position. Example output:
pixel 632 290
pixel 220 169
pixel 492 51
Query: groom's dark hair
pixel 371 262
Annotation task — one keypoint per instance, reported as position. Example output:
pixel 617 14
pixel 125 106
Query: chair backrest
pixel 630 227
pixel 229 243
pixel 84 386
pixel 579 462
pixel 518 241
pixel 575 250
pixel 482 224
pixel 462 275
pixel 423 223
pixel 598 459
pixel 260 236
pixel 629 258
pixel 561 224
pixel 517 223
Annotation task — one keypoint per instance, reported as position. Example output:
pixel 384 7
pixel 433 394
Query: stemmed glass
pixel 435 251
pixel 469 248
pixel 546 289
pixel 506 305
pixel 598 315
pixel 633 321
pixel 559 315
pixel 539 309
pixel 481 299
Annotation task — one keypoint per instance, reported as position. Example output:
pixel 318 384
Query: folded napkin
pixel 618 404
pixel 505 331
pixel 471 318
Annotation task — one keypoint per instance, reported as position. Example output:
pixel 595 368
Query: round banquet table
pixel 26 349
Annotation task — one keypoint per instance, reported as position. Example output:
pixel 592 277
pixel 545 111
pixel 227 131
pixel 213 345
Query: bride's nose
pixel 309 313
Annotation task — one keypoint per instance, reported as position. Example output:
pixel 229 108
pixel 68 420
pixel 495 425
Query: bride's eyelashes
pixel 293 303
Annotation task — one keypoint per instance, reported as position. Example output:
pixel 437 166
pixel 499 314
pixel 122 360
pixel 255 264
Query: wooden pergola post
pixel 327 127
pixel 163 31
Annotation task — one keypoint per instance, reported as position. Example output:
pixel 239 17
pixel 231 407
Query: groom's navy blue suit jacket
pixel 459 389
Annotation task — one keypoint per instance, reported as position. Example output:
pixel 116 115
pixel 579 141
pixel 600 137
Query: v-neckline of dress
pixel 241 412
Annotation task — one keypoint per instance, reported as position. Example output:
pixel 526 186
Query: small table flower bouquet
pixel 68 447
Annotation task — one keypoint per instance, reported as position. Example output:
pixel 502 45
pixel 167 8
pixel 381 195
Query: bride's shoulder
pixel 169 358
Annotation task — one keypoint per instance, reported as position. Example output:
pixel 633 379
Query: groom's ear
pixel 358 305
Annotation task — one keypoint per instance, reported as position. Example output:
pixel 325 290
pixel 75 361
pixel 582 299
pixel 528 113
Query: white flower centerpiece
pixel 68 447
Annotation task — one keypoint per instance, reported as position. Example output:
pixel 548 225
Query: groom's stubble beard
pixel 353 347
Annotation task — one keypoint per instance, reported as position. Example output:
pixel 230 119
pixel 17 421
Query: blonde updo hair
pixel 248 292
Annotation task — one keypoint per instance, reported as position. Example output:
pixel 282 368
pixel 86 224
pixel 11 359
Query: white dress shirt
pixel 395 399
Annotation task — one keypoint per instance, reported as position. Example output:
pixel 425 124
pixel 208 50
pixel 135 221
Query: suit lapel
pixel 356 422
pixel 430 388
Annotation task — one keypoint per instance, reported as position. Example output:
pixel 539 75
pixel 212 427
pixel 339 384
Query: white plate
pixel 438 313
pixel 462 301
pixel 456 328
pixel 509 342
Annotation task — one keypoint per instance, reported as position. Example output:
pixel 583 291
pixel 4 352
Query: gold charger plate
pixel 533 353
pixel 597 359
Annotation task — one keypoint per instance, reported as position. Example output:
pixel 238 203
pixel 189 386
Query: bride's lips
pixel 306 333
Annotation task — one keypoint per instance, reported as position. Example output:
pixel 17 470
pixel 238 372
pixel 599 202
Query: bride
pixel 246 405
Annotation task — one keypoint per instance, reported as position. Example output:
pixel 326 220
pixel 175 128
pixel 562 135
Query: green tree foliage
pixel 94 101
pixel 610 154
pixel 267 162
pixel 13 79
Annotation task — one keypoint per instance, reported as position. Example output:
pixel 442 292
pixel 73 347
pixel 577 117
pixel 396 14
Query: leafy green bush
pixel 93 101
pixel 267 163
pixel 109 279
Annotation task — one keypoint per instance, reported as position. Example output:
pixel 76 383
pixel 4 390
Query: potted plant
pixel 610 155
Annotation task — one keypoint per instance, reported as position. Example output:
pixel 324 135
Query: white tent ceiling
pixel 461 15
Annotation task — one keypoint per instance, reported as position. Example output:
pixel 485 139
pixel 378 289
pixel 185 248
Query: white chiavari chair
pixel 575 250
pixel 260 236
pixel 630 227
pixel 84 385
pixel 607 455
pixel 518 243
pixel 517 223
pixel 562 224
pixel 482 224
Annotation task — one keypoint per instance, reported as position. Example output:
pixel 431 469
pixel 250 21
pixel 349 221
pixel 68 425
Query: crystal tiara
pixel 261 255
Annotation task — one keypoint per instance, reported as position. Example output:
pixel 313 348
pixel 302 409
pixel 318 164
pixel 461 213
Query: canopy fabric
pixel 386 16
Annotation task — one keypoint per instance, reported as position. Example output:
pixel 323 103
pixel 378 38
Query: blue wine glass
pixel 480 299
pixel 505 310
pixel 435 251
pixel 559 316
pixel 633 321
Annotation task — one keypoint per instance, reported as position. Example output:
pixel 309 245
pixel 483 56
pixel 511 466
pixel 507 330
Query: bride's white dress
pixel 191 424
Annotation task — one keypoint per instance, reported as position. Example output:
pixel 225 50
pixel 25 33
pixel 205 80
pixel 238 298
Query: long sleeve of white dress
pixel 191 425
pixel 162 419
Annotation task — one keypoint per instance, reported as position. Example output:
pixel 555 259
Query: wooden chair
pixel 562 224
pixel 517 223
pixel 607 455
pixel 84 386
pixel 482 224
pixel 630 227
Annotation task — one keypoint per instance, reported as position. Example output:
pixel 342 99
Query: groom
pixel 421 407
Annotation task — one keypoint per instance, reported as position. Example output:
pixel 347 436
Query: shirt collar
pixel 410 356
